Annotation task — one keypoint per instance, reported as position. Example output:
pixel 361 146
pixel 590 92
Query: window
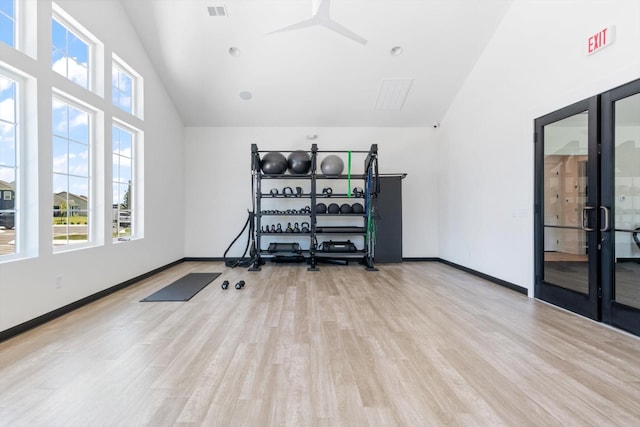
pixel 71 173
pixel 123 188
pixel 8 164
pixel 122 89
pixel 70 54
pixel 8 22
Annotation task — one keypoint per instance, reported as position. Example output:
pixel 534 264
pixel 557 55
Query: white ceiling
pixel 312 76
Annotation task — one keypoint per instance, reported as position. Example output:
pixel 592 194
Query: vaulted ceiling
pixel 314 76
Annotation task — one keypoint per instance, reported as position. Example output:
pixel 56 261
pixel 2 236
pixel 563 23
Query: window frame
pixel 19 141
pixel 93 238
pixel 94 49
pixel 122 69
pixel 137 87
pixel 135 190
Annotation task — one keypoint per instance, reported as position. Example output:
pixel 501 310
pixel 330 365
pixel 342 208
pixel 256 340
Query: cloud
pixel 7 109
pixel 69 68
pixel 7 174
pixel 5 83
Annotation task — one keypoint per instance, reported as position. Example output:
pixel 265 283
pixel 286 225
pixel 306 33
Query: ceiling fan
pixel 321 17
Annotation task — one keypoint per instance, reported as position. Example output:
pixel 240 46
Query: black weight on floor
pixel 183 289
pixel 225 284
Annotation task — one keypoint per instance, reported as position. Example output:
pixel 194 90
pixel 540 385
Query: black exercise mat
pixel 184 288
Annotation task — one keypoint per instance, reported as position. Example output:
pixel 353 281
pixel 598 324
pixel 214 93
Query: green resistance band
pixel 349 175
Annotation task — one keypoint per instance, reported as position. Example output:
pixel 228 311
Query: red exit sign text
pixel 603 38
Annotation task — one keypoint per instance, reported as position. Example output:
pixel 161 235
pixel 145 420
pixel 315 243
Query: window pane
pixel 60 186
pixel 116 167
pixel 7 7
pixel 122 89
pixel 60 155
pixel 71 179
pixel 78 50
pixel 70 54
pixel 125 144
pixel 8 175
pixel 60 119
pixel 7 145
pixel 7 211
pixel 78 125
pixel 59 61
pixel 7 30
pixel 78 73
pixel 7 100
pixel 58 36
pixel 78 159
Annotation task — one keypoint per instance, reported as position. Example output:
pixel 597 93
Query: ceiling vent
pixel 217 11
pixel 392 94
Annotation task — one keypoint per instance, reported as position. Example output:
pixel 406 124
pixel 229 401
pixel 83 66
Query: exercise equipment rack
pixel 298 251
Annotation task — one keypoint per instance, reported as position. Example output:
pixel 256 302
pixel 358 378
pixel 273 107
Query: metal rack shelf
pixel 311 255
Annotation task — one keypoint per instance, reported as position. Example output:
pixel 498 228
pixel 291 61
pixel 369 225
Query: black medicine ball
pixel 345 208
pixel 321 208
pixel 333 208
pixel 274 163
pixel 357 208
pixel 299 162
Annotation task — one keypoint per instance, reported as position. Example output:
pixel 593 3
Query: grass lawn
pixel 74 220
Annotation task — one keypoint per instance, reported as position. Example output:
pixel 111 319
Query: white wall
pixel 535 64
pixel 218 179
pixel 27 287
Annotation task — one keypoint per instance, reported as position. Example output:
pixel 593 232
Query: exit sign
pixel 603 38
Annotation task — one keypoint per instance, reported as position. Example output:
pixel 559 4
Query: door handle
pixel 606 225
pixel 585 220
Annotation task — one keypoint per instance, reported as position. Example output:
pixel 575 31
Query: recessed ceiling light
pixel 312 136
pixel 396 51
pixel 246 95
pixel 234 51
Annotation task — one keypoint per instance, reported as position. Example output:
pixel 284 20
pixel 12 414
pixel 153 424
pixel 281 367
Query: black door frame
pixel 613 312
pixel 586 305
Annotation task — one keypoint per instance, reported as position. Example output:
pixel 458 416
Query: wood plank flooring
pixel 415 344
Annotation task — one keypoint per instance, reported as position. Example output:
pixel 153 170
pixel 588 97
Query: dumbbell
pixel 225 284
pixel 240 284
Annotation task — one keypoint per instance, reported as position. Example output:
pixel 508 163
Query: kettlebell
pixel 305 227
pixel 296 229
pixel 289 229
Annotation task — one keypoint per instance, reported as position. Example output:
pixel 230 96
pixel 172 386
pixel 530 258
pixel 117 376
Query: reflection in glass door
pixel 621 252
pixel 566 208
pixel 565 195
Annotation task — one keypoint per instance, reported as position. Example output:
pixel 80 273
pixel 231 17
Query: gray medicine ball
pixel 345 208
pixel 321 208
pixel 333 208
pixel 274 163
pixel 357 208
pixel 332 165
pixel 299 162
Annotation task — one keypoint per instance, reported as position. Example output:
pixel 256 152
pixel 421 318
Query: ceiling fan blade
pixel 323 8
pixel 342 30
pixel 303 24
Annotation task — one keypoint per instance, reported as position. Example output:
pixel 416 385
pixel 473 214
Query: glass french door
pixel 567 208
pixel 587 209
pixel 621 193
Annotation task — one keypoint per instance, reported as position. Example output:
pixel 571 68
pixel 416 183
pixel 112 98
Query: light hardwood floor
pixel 414 344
